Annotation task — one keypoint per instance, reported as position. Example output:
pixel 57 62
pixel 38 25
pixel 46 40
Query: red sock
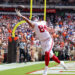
pixel 56 59
pixel 47 58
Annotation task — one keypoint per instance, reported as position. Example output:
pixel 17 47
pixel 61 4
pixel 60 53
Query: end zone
pixel 58 70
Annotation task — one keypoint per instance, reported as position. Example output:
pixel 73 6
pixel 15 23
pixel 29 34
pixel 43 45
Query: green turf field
pixel 26 69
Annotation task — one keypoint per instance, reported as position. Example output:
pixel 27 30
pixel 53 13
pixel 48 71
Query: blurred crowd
pixel 64 38
pixel 40 2
pixel 65 35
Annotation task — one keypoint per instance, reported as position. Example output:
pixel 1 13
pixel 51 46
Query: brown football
pixel 20 7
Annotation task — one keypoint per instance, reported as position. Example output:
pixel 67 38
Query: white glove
pixel 18 12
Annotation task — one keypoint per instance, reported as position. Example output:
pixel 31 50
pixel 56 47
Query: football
pixel 20 7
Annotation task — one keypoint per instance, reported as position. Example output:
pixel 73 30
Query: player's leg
pixel 47 58
pixel 52 54
pixel 55 58
pixel 48 48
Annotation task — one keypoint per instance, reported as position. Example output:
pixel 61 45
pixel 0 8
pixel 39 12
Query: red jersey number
pixel 42 28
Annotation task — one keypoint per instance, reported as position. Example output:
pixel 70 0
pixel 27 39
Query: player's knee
pixel 51 55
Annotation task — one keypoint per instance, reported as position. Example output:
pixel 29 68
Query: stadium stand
pixel 37 2
pixel 62 22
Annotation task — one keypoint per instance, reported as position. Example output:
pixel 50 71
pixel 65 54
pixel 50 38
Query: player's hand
pixel 18 12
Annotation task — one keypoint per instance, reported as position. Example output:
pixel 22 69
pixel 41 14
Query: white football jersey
pixel 41 30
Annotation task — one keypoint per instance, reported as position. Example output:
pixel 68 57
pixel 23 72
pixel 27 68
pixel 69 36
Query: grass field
pixel 27 69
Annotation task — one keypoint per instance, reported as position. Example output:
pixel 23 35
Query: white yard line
pixel 59 69
pixel 17 65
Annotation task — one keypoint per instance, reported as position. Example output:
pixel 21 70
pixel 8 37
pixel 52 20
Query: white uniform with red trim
pixel 43 35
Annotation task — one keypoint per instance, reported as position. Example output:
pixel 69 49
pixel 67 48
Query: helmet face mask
pixel 35 18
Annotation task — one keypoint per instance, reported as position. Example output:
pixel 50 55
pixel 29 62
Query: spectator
pixel 22 50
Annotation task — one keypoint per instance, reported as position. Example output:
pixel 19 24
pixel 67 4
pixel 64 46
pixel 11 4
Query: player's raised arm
pixel 25 18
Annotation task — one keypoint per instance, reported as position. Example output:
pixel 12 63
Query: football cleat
pixel 63 65
pixel 45 71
